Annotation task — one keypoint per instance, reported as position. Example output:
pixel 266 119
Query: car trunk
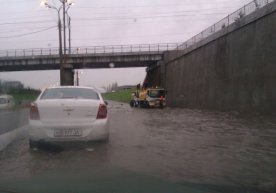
pixel 68 111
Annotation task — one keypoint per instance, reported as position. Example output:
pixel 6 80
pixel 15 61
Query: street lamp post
pixel 66 71
pixel 65 12
pixel 69 28
pixel 69 40
pixel 64 28
pixel 60 40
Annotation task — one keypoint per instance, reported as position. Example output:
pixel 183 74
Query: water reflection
pixel 175 145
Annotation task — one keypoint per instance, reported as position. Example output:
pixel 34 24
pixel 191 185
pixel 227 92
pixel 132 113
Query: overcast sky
pixel 105 22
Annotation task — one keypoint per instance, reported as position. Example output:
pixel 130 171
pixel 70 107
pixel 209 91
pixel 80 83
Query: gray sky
pixel 105 22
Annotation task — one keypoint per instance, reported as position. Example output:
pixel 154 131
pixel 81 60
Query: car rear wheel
pixel 147 104
pixel 106 140
pixel 32 144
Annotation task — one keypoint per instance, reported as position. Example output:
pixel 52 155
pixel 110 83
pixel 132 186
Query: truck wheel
pixel 132 103
pixel 147 104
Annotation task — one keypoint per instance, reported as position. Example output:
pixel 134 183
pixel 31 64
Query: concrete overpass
pixel 139 55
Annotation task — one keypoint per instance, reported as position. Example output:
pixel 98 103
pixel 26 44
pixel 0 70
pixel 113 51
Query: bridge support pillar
pixel 153 77
pixel 156 75
pixel 162 74
pixel 67 75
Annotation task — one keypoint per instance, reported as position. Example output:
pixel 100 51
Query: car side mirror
pixel 106 103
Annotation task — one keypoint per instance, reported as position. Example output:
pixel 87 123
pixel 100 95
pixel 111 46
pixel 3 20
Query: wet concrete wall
pixel 233 70
pixel 154 77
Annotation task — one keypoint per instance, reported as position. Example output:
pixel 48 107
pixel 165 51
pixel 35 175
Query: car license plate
pixel 67 132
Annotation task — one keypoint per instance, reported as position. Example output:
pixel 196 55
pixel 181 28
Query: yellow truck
pixel 148 98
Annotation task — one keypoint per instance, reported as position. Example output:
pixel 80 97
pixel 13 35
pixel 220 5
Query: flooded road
pixel 202 150
pixel 11 119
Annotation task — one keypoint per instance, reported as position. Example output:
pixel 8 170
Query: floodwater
pixel 191 150
pixel 11 119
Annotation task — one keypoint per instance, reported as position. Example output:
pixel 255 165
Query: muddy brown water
pixel 174 145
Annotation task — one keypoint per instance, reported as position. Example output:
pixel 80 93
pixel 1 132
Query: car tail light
pixel 102 112
pixel 34 113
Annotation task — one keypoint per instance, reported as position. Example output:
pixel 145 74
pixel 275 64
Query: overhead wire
pixel 26 22
pixel 21 28
pixel 26 34
pixel 149 6
pixel 134 17
pixel 28 17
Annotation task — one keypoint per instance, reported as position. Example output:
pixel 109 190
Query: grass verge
pixel 119 96
pixel 23 99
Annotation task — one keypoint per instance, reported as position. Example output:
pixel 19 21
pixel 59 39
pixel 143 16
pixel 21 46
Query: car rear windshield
pixel 63 93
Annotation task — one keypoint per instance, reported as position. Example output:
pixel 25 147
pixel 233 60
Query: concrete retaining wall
pixel 234 69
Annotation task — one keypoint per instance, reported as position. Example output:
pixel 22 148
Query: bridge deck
pixel 50 62
pixel 90 57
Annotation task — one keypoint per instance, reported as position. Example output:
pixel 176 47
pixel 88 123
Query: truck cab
pixel 149 98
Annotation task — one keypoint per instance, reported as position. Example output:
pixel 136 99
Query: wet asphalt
pixel 153 150
pixel 11 119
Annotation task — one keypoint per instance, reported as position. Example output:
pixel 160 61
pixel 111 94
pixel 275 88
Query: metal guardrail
pixel 230 19
pixel 143 48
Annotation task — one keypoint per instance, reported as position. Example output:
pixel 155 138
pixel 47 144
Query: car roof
pixel 85 87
